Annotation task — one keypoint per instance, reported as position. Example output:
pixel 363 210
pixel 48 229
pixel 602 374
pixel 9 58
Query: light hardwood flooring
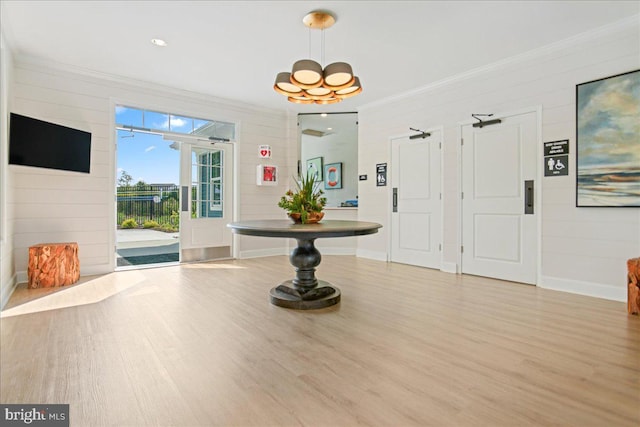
pixel 200 345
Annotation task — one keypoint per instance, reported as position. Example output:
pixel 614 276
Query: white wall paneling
pixel 63 206
pixel 7 270
pixel 583 250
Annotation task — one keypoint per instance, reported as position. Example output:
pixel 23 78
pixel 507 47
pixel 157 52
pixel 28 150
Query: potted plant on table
pixel 306 204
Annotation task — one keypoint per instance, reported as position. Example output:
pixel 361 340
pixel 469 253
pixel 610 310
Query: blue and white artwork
pixel 608 141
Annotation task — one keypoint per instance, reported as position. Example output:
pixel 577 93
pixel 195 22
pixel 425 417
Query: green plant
pixel 129 223
pixel 168 228
pixel 150 224
pixel 174 218
pixel 306 199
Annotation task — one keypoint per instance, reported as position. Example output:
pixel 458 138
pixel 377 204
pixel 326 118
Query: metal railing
pixel 154 202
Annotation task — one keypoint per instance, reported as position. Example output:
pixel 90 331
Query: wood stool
pixel 53 264
pixel 633 291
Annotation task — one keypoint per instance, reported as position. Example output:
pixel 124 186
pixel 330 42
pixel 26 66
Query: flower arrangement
pixel 306 204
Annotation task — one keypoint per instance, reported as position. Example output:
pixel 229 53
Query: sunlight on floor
pixel 90 292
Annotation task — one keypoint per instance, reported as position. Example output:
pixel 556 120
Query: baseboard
pixel 91 270
pixel 375 255
pixel 449 267
pixel 258 253
pixel 95 270
pixel 7 290
pixel 597 290
pixel 21 277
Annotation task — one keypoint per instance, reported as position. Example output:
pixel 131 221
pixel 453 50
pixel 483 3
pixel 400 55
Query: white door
pixel 416 231
pixel 206 181
pixel 498 169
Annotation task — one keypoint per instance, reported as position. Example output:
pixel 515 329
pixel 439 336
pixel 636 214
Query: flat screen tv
pixel 42 144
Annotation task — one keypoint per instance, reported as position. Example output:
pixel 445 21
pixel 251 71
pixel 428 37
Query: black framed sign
pixel 381 174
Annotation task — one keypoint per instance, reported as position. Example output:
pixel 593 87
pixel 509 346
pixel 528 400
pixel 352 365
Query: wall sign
pixel 264 151
pixel 362 177
pixel 556 148
pixel 556 158
pixel 381 174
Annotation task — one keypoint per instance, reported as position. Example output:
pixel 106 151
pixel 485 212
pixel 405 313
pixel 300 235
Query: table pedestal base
pixel 324 295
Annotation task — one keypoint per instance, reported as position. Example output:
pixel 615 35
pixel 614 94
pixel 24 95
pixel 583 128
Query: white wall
pixel 583 250
pixel 52 205
pixel 7 271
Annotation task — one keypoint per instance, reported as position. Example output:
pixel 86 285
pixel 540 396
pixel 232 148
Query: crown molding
pixel 615 27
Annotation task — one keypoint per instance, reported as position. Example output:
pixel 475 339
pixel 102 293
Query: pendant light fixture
pixel 308 82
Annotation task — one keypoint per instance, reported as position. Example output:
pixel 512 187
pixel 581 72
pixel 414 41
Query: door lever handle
pixel 529 198
pixel 395 199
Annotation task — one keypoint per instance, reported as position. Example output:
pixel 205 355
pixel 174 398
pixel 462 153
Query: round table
pixel 305 292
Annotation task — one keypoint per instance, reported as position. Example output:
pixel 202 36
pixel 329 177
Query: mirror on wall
pixel 329 149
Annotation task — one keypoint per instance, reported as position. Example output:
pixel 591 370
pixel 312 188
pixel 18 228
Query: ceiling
pixel 234 49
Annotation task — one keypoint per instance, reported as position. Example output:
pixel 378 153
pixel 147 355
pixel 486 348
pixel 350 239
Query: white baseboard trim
pixel 7 290
pixel 597 290
pixel 449 267
pixel 95 270
pixel 91 270
pixel 21 277
pixel 258 253
pixel 375 255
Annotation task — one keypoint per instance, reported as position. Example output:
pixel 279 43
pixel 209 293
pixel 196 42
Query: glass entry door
pixel 206 201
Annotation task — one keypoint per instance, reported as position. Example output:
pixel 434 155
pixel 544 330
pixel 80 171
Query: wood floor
pixel 200 345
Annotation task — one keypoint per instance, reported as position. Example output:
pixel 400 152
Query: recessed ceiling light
pixel 159 42
pixel 329 128
pixel 324 114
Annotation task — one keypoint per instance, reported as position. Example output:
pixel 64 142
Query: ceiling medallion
pixel 308 82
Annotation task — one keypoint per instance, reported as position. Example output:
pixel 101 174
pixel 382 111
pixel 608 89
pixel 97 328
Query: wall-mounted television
pixel 33 142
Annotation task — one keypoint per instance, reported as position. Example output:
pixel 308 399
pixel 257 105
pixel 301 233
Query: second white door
pixel 499 225
pixel 416 235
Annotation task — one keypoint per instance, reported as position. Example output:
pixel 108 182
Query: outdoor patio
pixel 145 246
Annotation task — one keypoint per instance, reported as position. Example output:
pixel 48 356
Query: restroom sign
pixel 264 151
pixel 556 158
pixel 556 165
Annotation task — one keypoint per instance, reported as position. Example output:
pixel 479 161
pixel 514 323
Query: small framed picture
pixel 267 175
pixel 314 168
pixel 333 176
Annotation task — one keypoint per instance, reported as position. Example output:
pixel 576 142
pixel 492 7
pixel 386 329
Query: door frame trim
pixel 440 129
pixel 537 109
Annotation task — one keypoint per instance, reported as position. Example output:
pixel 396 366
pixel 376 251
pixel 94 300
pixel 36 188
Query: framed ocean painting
pixel 608 141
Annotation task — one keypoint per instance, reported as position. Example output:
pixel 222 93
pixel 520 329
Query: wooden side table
pixel 53 264
pixel 633 286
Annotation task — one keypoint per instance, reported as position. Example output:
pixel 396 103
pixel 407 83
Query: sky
pixel 148 157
